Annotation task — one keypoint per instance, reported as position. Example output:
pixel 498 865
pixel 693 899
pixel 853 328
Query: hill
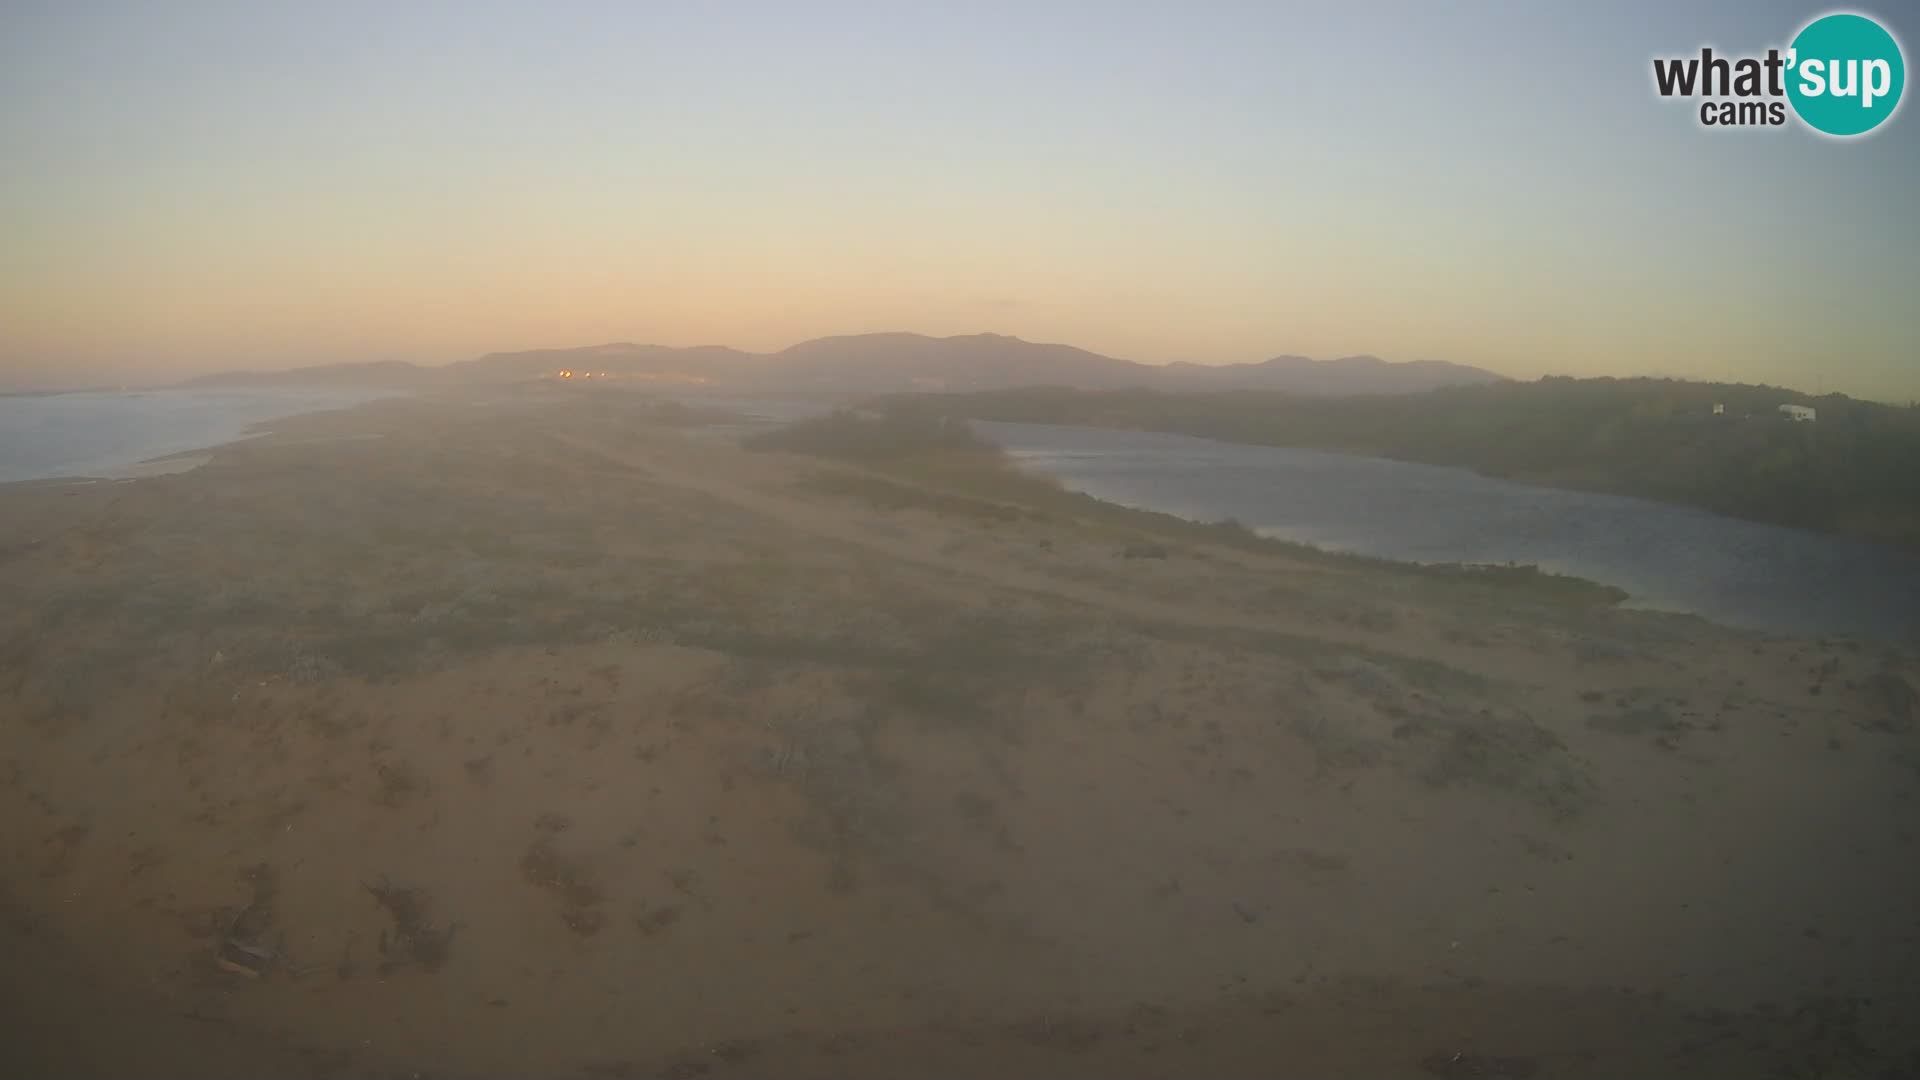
pixel 1347 375
pixel 696 365
pixel 394 374
pixel 886 363
pixel 1854 470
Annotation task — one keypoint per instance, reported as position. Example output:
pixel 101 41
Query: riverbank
pixel 554 734
pixel 1740 573
pixel 1720 447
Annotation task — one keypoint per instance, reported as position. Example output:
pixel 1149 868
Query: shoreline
pixel 256 410
pixel 1734 594
pixel 1599 437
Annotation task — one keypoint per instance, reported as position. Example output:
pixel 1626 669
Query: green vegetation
pixel 1856 470
pixel 873 436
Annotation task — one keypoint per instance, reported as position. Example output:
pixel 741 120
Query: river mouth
pixel 1667 558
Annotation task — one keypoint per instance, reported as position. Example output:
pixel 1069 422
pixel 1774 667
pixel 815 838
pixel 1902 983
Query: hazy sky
pixel 192 186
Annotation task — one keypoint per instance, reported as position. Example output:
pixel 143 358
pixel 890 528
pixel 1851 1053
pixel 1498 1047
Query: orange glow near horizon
pixel 1146 187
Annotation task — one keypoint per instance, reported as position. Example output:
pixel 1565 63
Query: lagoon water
pixel 1667 557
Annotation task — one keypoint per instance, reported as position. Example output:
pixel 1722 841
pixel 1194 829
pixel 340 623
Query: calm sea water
pixel 83 434
pixel 1667 557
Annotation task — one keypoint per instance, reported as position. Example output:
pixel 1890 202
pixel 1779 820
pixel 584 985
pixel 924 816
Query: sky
pixel 188 186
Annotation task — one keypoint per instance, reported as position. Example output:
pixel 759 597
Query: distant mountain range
pixel 881 363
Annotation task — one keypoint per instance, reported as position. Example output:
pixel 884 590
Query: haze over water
pixel 91 432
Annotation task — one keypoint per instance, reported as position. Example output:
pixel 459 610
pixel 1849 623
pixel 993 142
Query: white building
pixel 1797 412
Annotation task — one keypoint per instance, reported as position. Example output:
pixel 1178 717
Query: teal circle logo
pixel 1845 74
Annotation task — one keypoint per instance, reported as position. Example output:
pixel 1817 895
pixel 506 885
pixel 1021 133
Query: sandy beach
pixel 551 733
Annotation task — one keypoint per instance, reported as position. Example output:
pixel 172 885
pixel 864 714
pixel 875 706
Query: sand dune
pixel 553 735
